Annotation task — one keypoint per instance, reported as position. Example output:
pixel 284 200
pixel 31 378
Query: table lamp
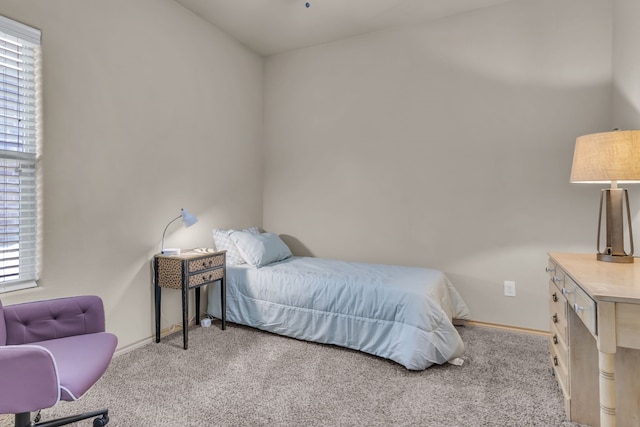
pixel 603 158
pixel 188 220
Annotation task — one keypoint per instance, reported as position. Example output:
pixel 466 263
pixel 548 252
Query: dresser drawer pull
pixel 556 280
pixel 554 297
pixel 555 318
pixel 577 308
pixel 555 339
pixel 566 292
pixel 555 360
pixel 550 270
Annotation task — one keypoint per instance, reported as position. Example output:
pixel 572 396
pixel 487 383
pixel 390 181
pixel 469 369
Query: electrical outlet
pixel 509 288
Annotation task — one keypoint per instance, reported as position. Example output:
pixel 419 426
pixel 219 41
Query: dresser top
pixel 605 281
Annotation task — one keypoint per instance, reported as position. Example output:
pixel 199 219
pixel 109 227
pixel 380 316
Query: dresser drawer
pixel 556 275
pixel 560 369
pixel 551 268
pixel 558 342
pixel 557 312
pixel 567 287
pixel 577 299
pixel 585 308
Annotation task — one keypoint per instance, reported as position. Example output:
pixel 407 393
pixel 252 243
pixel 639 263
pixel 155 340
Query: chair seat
pixel 81 360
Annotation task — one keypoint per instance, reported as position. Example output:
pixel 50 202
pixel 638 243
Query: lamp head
pixel 188 219
pixel 607 157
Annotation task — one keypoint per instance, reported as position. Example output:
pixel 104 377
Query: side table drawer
pixel 205 263
pixel 207 276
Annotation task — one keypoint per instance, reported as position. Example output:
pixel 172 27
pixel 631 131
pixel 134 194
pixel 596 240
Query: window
pixel 19 130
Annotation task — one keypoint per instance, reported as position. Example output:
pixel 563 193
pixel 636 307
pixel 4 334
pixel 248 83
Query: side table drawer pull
pixel 555 360
pixel 554 297
pixel 555 318
pixel 555 338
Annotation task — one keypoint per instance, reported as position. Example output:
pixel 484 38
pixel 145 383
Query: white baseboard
pixel 508 328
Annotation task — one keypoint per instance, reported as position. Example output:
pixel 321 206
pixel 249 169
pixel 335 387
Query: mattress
pixel 399 313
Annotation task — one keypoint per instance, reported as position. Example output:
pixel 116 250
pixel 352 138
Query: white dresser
pixel 595 338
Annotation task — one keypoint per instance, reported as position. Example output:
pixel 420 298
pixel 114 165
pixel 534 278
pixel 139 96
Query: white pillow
pixel 260 249
pixel 223 242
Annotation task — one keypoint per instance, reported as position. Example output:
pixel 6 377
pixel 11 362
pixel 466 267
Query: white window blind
pixel 19 138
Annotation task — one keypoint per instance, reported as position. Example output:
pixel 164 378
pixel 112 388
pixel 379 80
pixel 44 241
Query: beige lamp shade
pixel 607 157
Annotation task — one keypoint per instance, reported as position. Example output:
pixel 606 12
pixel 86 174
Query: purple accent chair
pixel 50 351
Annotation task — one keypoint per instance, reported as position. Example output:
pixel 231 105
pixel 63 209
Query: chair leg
pixel 24 419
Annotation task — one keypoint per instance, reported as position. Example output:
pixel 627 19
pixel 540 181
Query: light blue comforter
pixel 399 313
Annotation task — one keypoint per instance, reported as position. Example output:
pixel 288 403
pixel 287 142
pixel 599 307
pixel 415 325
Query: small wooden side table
pixel 189 270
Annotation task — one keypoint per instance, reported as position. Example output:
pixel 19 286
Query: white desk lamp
pixel 188 220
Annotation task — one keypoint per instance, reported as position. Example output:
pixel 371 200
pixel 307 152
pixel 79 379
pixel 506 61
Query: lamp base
pixel 171 251
pixel 614 199
pixel 622 259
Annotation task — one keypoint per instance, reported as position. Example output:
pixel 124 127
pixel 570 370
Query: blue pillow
pixel 260 249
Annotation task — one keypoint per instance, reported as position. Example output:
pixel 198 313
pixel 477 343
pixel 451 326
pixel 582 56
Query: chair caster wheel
pixel 101 422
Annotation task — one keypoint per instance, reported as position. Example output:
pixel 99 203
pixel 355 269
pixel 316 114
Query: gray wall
pixel 147 109
pixel 445 145
pixel 626 83
pixel 626 65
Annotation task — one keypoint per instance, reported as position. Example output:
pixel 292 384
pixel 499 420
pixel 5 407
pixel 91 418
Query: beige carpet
pixel 245 377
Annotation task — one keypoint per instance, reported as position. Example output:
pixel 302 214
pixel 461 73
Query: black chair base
pixel 24 419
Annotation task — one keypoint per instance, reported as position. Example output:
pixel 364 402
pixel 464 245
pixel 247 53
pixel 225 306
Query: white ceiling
pixel 273 26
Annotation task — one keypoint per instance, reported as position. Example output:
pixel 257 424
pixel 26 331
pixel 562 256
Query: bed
pixel 400 313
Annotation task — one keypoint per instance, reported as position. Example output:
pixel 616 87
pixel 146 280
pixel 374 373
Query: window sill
pixel 17 286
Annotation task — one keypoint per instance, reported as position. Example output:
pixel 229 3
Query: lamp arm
pixel 165 230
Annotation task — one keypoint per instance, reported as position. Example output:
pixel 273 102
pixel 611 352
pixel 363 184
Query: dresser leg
pixel 606 364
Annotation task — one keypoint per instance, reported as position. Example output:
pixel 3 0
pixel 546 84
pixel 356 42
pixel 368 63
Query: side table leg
pixel 606 364
pixel 223 302
pixel 158 294
pixel 185 316
pixel 197 305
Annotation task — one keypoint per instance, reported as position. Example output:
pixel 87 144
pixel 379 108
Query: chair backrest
pixel 3 327
pixel 54 318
